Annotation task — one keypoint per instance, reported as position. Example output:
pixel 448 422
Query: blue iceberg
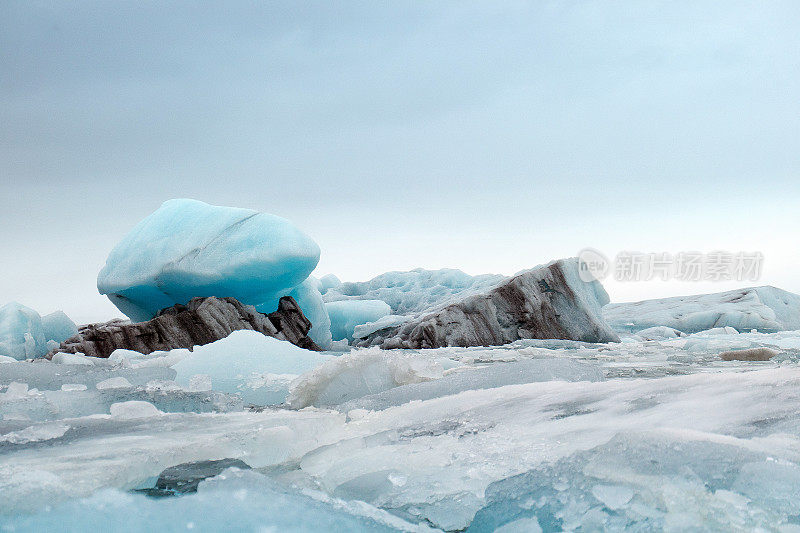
pixel 188 248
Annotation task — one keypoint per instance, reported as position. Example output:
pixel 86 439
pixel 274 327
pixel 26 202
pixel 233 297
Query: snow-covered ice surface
pixel 761 308
pixel 646 435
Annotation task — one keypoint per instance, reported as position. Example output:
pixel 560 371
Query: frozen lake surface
pixel 551 435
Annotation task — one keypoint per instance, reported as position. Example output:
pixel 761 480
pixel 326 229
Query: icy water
pixel 536 435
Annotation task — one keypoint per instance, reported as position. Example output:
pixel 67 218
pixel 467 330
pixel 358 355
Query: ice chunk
pixel 26 335
pixel 413 291
pixel 762 308
pixel 118 382
pixel 345 315
pixel 329 282
pixel 63 358
pixel 357 374
pixel 46 375
pixel 53 405
pixel 21 332
pixel 481 377
pixel 35 433
pixel 188 248
pixel 717 341
pixel 15 391
pixel 613 496
pixel 239 363
pixel 235 500
pixel 67 387
pixel 386 322
pixel 771 484
pixel 124 357
pixel 651 481
pixel 724 330
pixel 58 327
pixel 659 333
pixel 133 409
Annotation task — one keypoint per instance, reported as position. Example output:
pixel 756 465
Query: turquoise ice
pixel 25 335
pixel 188 248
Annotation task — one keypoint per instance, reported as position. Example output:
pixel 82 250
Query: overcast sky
pixel 488 136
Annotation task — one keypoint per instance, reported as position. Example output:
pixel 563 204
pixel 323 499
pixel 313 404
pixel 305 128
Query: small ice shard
pixel 114 383
pixel 752 354
pixel 133 409
pixel 613 496
pixel 659 333
pixel 188 248
pixel 15 391
pixel 62 358
pixel 73 387
pixel 35 433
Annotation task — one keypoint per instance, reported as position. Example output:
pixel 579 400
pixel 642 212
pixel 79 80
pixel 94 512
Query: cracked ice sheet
pixel 434 459
pixel 100 451
pixel 429 460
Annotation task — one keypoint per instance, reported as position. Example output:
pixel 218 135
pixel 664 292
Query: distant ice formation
pixel 762 308
pixel 409 292
pixel 347 315
pixel 26 335
pixel 546 302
